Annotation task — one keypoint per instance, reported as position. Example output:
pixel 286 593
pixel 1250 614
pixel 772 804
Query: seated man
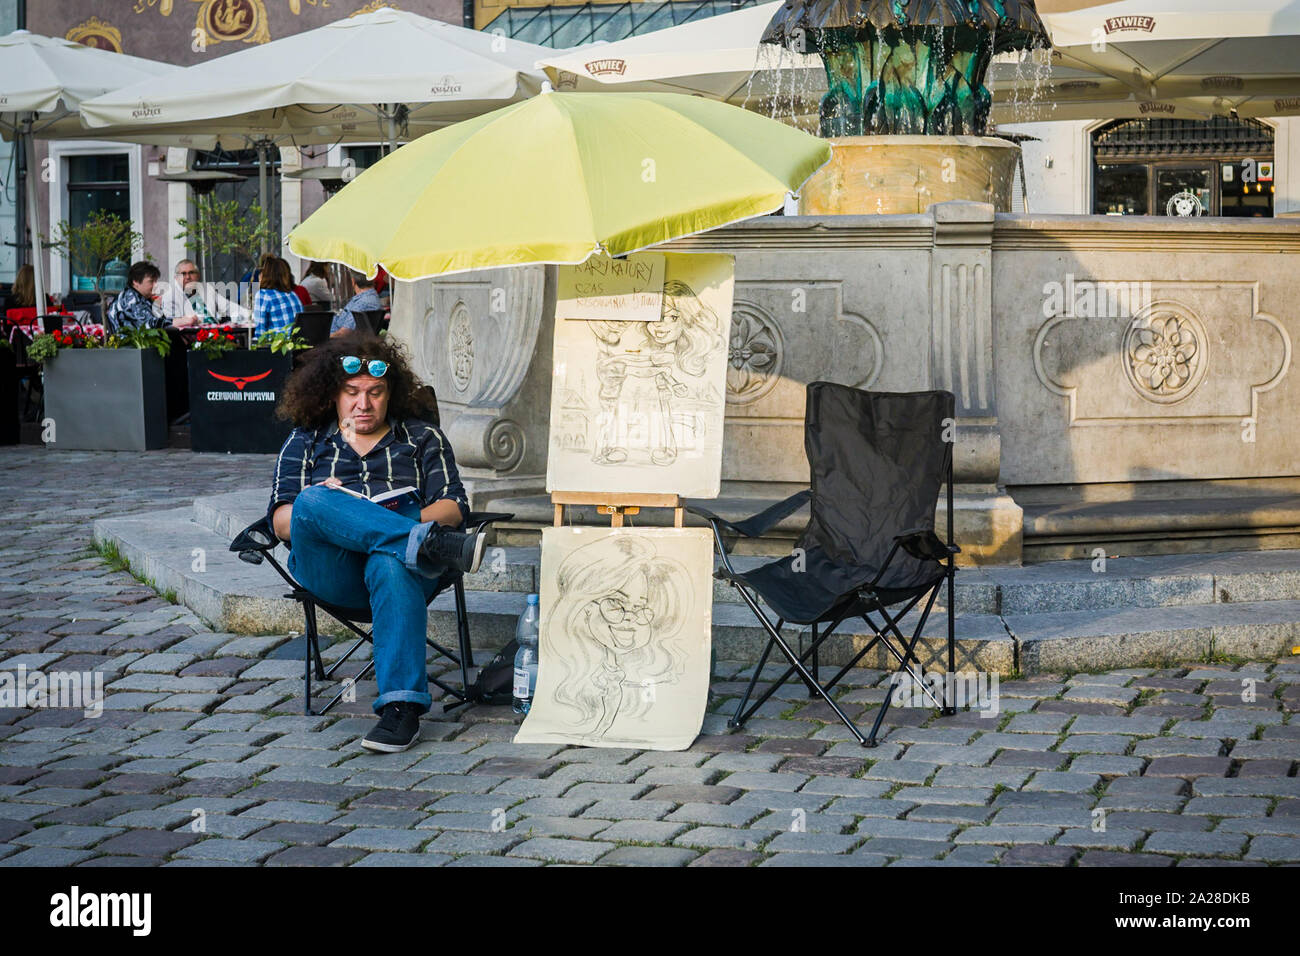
pixel 360 416
pixel 183 300
pixel 175 302
pixel 364 299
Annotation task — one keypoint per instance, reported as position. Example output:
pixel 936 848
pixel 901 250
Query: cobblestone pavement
pixel 202 755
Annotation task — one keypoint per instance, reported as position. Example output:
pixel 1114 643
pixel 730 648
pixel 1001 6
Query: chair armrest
pixel 257 537
pixel 923 544
pixel 759 524
pixel 478 519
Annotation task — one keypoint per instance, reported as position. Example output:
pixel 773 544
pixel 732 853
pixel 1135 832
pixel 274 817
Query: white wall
pixel 1286 160
pixel 1057 167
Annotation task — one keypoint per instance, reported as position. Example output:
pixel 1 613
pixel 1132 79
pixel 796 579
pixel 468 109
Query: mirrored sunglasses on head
pixel 374 367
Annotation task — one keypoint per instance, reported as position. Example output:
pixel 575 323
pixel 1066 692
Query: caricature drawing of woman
pixel 685 335
pixel 612 636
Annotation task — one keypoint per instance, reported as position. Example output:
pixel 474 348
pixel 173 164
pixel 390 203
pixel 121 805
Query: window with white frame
pixel 91 176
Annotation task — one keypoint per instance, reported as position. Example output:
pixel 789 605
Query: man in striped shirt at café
pixel 363 422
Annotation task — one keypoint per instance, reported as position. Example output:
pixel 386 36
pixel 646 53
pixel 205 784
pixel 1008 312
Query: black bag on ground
pixel 495 683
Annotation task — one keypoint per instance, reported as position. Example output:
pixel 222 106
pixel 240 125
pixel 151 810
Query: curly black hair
pixel 309 395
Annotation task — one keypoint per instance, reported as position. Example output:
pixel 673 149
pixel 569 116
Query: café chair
pixel 371 322
pixel 258 542
pixel 877 462
pixel 314 325
pixel 28 373
pixel 52 322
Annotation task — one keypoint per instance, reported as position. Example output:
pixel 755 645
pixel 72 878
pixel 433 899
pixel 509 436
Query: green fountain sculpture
pixel 906 66
pixel 910 68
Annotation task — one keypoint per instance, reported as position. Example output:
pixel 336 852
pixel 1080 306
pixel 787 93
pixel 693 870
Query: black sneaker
pixel 453 548
pixel 399 727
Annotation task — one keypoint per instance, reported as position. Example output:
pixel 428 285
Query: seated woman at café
pixel 248 281
pixel 275 306
pixel 22 300
pixel 303 295
pixel 317 283
pixel 134 308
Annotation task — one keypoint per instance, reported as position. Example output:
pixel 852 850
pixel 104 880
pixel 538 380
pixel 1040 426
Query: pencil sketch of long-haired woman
pixel 613 635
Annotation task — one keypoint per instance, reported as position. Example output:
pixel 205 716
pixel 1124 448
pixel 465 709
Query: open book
pixel 404 500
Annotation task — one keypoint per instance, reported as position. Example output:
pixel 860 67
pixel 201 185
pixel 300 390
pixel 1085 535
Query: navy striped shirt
pixel 413 452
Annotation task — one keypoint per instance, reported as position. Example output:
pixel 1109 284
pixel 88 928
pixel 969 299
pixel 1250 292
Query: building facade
pixel 86 175
pixel 1133 167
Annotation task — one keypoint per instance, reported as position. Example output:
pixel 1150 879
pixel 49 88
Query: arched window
pixel 1158 167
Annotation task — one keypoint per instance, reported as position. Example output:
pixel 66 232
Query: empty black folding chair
pixel 877 460
pixel 258 541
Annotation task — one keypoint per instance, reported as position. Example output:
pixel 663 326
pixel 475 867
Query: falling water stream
pixel 852 77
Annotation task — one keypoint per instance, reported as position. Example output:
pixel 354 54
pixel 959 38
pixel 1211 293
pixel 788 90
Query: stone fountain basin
pixel 870 175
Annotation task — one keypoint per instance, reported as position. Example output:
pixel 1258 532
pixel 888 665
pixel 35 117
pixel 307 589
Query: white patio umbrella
pixel 720 57
pixel 43 81
pixel 1132 106
pixel 1162 49
pixel 360 78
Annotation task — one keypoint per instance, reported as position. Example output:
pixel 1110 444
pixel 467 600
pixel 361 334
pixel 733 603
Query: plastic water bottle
pixel 526 657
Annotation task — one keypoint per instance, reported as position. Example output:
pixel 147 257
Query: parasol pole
pixel 34 220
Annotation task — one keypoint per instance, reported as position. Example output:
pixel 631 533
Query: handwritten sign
pixel 626 290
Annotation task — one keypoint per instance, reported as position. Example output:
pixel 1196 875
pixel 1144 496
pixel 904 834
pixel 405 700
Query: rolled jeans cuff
pixel 416 562
pixel 424 700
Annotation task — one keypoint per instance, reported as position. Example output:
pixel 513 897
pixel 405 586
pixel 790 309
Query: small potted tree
pixel 88 248
pixel 221 228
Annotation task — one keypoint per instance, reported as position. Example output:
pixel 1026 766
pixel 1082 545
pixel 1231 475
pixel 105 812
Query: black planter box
pixel 233 399
pixel 10 432
pixel 106 399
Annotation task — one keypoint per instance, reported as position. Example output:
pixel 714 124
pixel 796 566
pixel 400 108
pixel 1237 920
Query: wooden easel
pixel 617 505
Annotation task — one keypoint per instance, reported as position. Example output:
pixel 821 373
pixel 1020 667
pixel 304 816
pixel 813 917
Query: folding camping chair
pixel 258 541
pixel 877 460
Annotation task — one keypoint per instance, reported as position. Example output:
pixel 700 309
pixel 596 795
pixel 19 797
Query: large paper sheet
pixel 638 407
pixel 624 648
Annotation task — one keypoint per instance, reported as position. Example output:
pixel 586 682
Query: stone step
pixel 1246 520
pixel 1130 636
pixel 1056 586
pixel 1167 580
pixel 175 552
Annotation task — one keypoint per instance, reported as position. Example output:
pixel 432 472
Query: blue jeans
pixel 353 553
